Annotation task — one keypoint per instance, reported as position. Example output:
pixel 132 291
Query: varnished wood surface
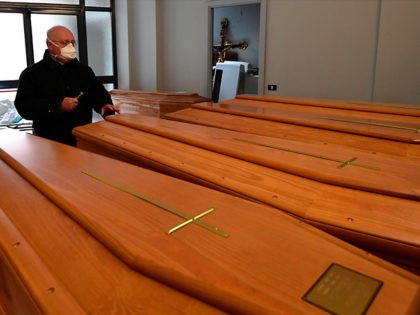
pixel 293 132
pixel 326 113
pixel 153 103
pixel 388 224
pixel 397 127
pixel 14 298
pixel 182 97
pixel 16 254
pixel 391 175
pixel 63 269
pixel 377 107
pixel 265 265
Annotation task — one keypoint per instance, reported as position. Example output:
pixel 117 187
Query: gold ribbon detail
pixel 188 218
pixel 343 163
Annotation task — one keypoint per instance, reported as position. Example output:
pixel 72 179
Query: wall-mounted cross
pixel 225 45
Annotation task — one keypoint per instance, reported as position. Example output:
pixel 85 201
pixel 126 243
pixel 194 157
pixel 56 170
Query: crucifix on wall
pixel 225 46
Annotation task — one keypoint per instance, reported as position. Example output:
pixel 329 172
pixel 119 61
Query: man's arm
pixel 29 101
pixel 101 99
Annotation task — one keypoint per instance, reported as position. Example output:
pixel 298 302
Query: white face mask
pixel 67 53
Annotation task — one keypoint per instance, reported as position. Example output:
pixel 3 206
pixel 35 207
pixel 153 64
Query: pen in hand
pixel 69 104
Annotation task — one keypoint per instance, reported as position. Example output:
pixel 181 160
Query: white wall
pixel 184 46
pixel 143 44
pixel 398 63
pixel 321 48
pixel 137 44
pixel 342 49
pixel 123 56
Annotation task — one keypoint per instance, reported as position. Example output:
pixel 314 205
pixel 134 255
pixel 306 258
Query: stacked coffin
pixel 379 120
pixel 364 189
pixel 153 103
pixel 279 127
pixel 81 233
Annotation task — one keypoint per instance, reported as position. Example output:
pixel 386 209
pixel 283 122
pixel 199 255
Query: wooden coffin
pixel 327 163
pixel 375 107
pixel 386 225
pixel 113 218
pixel 153 103
pixel 380 125
pixel 252 125
pixel 50 264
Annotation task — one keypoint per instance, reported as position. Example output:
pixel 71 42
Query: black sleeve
pixel 31 102
pixel 98 95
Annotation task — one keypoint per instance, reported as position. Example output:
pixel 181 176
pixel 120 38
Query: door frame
pixel 211 4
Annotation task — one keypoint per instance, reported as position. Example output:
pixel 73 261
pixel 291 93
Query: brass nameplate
pixel 343 291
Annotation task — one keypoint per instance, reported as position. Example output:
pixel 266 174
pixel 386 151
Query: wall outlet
pixel 272 87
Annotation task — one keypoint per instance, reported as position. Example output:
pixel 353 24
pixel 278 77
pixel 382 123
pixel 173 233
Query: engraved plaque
pixel 343 291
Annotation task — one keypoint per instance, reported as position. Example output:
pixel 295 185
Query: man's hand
pixel 69 103
pixel 109 109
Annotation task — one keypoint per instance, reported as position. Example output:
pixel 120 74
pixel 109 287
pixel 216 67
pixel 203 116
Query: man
pixel 58 92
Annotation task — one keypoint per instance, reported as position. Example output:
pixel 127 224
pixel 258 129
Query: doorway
pixel 244 23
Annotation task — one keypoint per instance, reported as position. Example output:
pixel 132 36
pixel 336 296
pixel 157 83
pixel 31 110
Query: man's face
pixel 59 39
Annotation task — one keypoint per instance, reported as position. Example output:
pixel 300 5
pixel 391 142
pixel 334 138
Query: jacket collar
pixel 52 63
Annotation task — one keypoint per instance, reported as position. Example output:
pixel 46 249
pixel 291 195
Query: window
pixel 13 46
pixel 91 21
pixel 98 3
pixel 98 27
pixel 40 25
pixel 46 1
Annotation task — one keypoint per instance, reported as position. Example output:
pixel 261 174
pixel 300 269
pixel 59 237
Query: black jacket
pixel 43 86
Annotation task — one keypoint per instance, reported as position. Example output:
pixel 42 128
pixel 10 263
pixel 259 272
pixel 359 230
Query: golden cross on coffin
pixel 342 164
pixel 416 130
pixel 225 45
pixel 188 219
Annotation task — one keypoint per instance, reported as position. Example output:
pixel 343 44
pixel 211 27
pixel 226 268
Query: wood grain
pixel 325 118
pixel 253 125
pixel 374 172
pixel 153 103
pixel 381 220
pixel 375 107
pixel 59 262
pixel 263 267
